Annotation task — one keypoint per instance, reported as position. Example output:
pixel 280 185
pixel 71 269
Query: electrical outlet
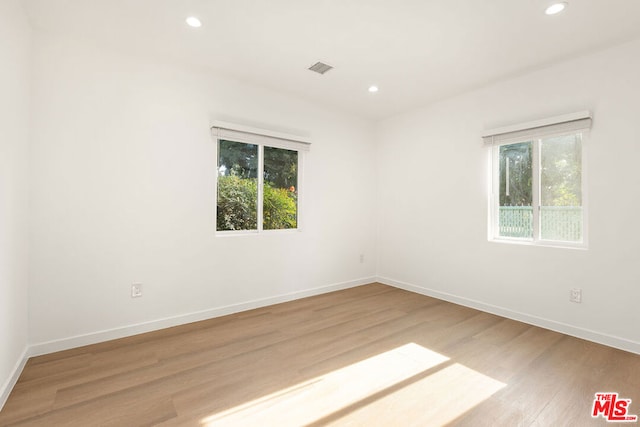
pixel 575 295
pixel 136 290
pixel 361 258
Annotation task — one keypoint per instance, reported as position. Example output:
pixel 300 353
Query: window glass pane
pixel 561 188
pixel 237 186
pixel 280 203
pixel 515 201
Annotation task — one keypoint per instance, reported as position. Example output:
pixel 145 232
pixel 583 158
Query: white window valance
pixel 575 122
pixel 250 135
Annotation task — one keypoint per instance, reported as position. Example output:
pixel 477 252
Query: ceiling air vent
pixel 320 67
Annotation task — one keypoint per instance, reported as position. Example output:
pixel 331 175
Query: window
pixel 258 178
pixel 538 179
pixel 237 206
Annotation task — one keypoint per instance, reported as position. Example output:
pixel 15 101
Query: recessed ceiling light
pixel 194 22
pixel 373 89
pixel 556 8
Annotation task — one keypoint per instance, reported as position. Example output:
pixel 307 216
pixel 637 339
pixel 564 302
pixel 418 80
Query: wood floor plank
pixel 370 355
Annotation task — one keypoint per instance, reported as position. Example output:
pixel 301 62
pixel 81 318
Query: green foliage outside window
pixel 280 208
pixel 237 205
pixel 238 187
pixel 237 208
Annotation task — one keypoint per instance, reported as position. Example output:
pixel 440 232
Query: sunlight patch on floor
pixel 321 396
pixel 434 400
pixel 343 393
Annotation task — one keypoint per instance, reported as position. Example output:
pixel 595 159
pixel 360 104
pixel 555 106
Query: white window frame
pixel 262 138
pixel 535 132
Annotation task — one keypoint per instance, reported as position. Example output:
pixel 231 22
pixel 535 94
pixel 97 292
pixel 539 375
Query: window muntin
pixel 257 187
pixel 539 190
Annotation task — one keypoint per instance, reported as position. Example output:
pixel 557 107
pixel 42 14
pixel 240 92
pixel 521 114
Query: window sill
pixel 541 243
pixel 239 233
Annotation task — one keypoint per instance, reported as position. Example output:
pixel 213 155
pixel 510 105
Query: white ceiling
pixel 416 51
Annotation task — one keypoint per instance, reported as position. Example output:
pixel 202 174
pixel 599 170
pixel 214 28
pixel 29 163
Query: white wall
pixel 14 138
pixel 123 191
pixel 122 172
pixel 433 187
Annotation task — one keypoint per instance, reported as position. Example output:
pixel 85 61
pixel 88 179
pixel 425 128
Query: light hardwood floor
pixel 371 355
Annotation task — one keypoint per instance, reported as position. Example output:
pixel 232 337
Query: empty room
pixel 293 213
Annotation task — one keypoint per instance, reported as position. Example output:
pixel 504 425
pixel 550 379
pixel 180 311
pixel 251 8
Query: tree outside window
pixel 238 201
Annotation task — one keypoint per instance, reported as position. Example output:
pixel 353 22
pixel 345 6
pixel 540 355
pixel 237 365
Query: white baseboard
pixel 13 378
pixel 586 334
pixel 153 325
